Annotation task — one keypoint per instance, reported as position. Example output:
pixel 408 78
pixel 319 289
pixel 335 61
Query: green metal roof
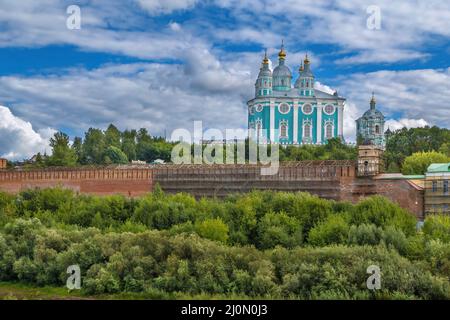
pixel 439 167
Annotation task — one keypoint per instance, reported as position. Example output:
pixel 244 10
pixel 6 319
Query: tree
pixel 112 136
pixel 214 229
pixel 129 143
pixel 115 155
pixel 94 146
pixel 404 142
pixel 77 146
pixel 62 153
pixel 279 229
pixel 445 149
pixel 418 162
pixel 332 231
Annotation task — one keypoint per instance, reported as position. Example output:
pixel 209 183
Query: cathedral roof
pixel 293 93
pixel 373 114
pixel 282 71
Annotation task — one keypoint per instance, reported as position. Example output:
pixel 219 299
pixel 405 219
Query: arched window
pixel 307 83
pixel 329 131
pixel 283 130
pixel 307 131
pixel 377 129
pixel 258 129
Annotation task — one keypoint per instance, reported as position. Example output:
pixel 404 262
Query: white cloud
pixel 18 139
pixel 405 123
pixel 323 87
pixel 415 97
pixel 174 26
pixel 160 97
pixel 411 94
pixel 405 26
pixel 166 6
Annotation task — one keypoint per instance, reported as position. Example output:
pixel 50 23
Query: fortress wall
pixel 328 179
pixel 129 182
pixel 317 177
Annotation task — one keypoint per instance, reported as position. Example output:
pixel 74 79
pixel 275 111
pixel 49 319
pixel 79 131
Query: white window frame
pixel 303 108
pixel 305 123
pixel 329 113
pixel 282 104
pixel 286 124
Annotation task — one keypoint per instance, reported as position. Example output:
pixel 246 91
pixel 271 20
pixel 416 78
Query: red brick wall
pixel 405 194
pixel 129 182
pixel 337 182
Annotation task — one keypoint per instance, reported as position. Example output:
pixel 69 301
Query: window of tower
pixel 329 131
pixel 377 129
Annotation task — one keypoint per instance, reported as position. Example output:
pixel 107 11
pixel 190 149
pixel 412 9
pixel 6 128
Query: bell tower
pixel 370 160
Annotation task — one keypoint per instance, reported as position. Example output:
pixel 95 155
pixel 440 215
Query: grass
pixel 22 291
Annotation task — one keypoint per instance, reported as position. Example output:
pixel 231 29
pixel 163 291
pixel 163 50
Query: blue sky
pixel 161 64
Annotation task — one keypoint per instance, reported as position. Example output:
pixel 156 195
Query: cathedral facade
pixel 291 115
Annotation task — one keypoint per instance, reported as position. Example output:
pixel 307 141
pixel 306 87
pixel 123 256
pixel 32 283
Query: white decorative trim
pixel 259 108
pixel 295 133
pixel 303 108
pixel 272 121
pixel 259 130
pixel 284 104
pixel 340 121
pixel 251 110
pixel 319 123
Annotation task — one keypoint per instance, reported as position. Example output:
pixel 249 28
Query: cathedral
pixel 302 114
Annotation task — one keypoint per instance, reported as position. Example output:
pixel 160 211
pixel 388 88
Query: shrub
pixel 214 229
pixel 332 231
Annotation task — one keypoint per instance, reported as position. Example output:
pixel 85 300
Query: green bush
pixel 213 229
pixel 334 230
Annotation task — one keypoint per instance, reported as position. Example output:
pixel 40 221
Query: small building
pixel 3 163
pixel 437 196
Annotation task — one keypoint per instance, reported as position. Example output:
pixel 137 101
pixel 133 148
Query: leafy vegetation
pixel 257 245
pixel 418 162
pixel 405 142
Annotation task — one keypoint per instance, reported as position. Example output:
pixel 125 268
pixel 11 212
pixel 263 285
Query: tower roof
pixel 282 53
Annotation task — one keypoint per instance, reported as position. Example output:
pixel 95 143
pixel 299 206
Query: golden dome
pixel 306 59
